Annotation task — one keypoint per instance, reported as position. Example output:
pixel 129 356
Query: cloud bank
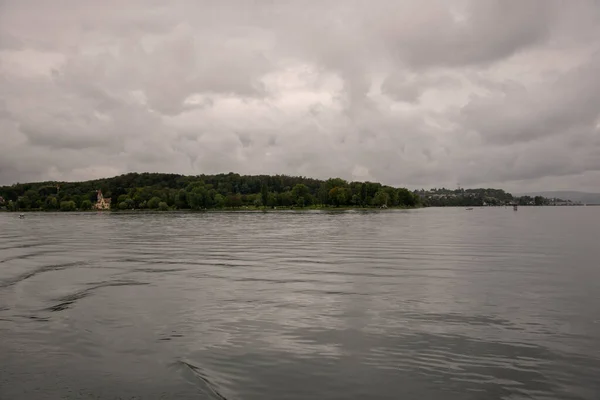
pixel 412 93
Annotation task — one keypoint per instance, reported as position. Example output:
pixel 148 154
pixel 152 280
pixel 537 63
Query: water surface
pixel 420 304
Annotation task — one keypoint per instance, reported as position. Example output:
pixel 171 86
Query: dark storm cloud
pixel 418 93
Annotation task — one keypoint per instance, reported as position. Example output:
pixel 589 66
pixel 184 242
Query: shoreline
pixel 221 210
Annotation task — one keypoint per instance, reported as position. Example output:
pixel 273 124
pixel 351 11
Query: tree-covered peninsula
pixel 156 191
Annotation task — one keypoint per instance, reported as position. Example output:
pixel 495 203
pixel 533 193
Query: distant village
pixel 485 198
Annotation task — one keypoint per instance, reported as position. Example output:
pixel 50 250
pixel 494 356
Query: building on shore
pixel 102 203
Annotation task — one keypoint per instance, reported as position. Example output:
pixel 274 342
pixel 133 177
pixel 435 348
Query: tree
pixel 194 200
pixel 300 194
pixel 525 200
pixel 264 194
pixel 406 198
pixel 86 205
pixel 335 182
pixel 538 200
pixel 363 194
pixel 153 203
pixel 323 194
pixel 24 203
pixel 181 201
pixel 67 206
pixel 233 200
pixel 285 199
pixel 219 200
pixel 272 200
pixel 393 197
pixel 162 206
pixel 381 198
pixel 337 196
pixel 199 196
pixel 51 203
pixel 33 198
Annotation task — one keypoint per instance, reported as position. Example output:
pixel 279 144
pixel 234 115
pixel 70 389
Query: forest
pixel 178 192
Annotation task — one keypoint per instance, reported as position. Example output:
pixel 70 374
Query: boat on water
pixel 21 216
pixel 469 209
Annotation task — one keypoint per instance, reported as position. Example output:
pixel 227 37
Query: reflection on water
pixel 434 303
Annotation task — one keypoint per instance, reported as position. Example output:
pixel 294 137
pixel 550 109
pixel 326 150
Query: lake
pixel 416 304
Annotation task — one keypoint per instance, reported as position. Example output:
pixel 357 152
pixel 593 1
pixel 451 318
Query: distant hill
pixel 201 192
pixel 584 197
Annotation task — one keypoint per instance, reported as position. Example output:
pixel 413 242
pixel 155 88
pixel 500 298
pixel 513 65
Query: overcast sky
pixel 409 93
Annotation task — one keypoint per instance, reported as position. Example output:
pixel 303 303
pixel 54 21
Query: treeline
pixel 178 192
pixel 477 198
pixel 539 201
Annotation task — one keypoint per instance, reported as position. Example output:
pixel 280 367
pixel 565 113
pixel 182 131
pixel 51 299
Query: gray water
pixel 420 304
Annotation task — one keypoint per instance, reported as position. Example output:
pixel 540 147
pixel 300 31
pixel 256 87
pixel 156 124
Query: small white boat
pixel 21 216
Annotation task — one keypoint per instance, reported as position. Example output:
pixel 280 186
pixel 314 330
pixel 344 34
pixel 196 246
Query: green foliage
pixel 405 197
pixel 219 201
pixel 264 194
pixel 68 206
pixel 381 198
pixel 233 200
pixel 162 206
pixel 86 205
pixel 337 196
pixel 51 203
pixel 301 195
pixel 154 202
pixel 150 191
pixel 285 199
pixel 181 201
pixel 272 200
pixel 199 196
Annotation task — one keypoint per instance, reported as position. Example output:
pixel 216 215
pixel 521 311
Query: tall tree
pixel 264 193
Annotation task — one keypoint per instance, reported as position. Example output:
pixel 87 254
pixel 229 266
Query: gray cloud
pixel 421 94
pixel 559 106
pixel 406 88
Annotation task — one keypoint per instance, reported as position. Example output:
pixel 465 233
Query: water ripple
pixel 436 304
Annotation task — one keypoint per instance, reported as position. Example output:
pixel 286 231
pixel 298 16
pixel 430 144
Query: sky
pixel 419 94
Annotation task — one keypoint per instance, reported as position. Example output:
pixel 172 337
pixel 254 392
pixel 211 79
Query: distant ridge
pixel 583 197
